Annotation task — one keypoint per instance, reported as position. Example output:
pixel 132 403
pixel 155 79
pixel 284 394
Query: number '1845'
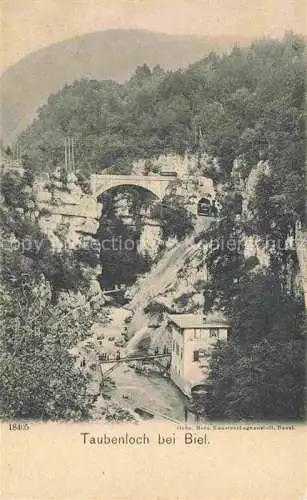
pixel 19 427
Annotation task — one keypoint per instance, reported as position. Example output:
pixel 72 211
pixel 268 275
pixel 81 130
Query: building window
pixel 177 349
pixel 197 333
pixel 214 332
pixel 195 355
pixel 181 353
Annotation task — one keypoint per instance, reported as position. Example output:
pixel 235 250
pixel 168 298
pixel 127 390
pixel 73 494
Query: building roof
pixel 198 321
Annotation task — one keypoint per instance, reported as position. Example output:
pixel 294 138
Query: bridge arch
pixel 199 388
pixel 129 188
pixel 133 200
pixel 114 187
pixel 156 184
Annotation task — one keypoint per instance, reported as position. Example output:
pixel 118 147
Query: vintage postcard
pixel 153 250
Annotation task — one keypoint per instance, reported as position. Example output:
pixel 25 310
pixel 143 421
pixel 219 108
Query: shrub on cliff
pixel 174 218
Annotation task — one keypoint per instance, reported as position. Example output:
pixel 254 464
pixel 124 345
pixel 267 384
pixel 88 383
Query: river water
pixel 132 390
pixel 137 390
pixel 152 392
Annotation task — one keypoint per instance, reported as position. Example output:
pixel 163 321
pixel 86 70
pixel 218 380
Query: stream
pixel 133 389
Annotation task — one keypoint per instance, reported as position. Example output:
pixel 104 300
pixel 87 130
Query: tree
pixel 38 378
pixel 175 219
pixel 259 373
pixel 141 76
pixel 248 103
pixel 16 190
pixel 263 381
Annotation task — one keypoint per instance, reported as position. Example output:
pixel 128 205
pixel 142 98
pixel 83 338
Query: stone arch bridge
pixel 157 184
pixel 81 212
pixel 88 206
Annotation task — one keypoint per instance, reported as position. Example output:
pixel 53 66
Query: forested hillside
pixel 244 111
pixel 111 54
pixel 245 105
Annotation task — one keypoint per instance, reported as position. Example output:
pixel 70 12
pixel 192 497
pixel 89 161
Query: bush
pixel 156 308
pixel 38 379
pixel 175 220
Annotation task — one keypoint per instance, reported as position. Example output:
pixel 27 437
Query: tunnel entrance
pixel 207 207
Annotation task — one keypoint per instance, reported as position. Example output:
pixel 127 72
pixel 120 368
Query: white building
pixel 193 337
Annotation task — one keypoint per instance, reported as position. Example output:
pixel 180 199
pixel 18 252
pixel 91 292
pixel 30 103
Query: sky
pixel 28 25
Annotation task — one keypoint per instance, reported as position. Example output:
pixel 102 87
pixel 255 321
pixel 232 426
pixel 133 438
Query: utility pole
pixel 69 154
pixel 73 154
pixel 69 149
pixel 16 155
pixel 65 149
pixel 199 152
